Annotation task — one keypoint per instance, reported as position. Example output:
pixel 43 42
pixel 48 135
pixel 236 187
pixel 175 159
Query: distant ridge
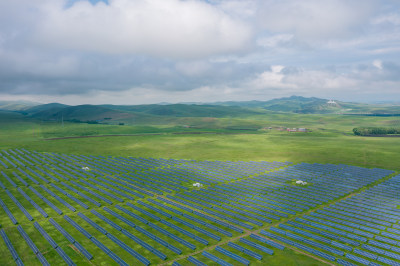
pixel 314 105
pixel 84 113
pixel 157 112
pixel 17 105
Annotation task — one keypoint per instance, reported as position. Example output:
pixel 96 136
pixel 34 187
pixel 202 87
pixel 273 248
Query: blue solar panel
pixel 32 245
pixel 267 241
pixel 257 246
pixel 9 245
pixel 232 255
pixel 195 261
pixel 246 251
pixel 215 259
pixel 357 259
pixel 131 251
pixel 10 215
pixel 22 208
pixel 345 263
pixel 78 227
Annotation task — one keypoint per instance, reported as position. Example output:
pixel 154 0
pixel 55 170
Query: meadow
pixel 330 141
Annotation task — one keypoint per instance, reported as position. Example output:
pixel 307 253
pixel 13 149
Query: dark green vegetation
pixel 371 131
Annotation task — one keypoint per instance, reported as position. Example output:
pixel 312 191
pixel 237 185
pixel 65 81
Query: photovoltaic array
pixel 72 209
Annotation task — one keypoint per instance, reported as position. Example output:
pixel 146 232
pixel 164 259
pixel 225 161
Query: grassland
pixel 331 139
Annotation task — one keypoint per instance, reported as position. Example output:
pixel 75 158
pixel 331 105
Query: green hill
pixel 16 105
pixel 313 105
pixel 156 113
pixel 84 113
pixel 186 110
pixel 134 113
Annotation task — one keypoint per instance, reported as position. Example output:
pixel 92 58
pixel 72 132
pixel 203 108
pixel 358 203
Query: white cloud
pixel 272 79
pixel 311 82
pixel 275 41
pixel 315 19
pixel 166 28
pixel 392 18
pixel 377 64
pixel 188 50
pixel 358 83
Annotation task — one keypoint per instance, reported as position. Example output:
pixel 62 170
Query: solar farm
pixel 102 210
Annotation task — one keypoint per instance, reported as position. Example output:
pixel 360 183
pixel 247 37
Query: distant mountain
pixel 16 105
pixel 299 104
pixel 45 109
pixel 160 112
pixel 132 113
pixel 84 113
pixel 185 110
pixel 313 105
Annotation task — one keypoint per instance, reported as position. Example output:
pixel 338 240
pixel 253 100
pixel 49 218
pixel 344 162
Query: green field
pixel 330 140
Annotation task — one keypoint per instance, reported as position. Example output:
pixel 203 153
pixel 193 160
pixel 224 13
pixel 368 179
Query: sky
pixel 152 51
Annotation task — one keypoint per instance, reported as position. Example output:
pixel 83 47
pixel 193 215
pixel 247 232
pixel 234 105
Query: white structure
pixel 331 102
pixel 300 182
pixel 197 185
pixel 85 168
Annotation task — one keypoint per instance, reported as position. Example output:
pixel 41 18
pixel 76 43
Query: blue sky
pixel 149 51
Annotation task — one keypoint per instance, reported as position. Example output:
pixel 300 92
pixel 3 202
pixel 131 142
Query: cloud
pixel 164 28
pixel 188 50
pixel 377 64
pixel 275 41
pixel 391 18
pixel 362 79
pixel 357 83
pixel 315 19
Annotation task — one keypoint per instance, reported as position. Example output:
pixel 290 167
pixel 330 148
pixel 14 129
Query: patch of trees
pixel 368 131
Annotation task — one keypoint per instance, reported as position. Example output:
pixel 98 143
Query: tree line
pixel 367 131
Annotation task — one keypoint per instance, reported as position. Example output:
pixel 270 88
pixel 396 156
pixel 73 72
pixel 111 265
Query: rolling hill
pixel 77 113
pixel 187 110
pixel 154 113
pixel 313 105
pixel 16 105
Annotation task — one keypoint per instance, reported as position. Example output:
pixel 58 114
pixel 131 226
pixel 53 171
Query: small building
pixel 198 185
pixel 300 182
